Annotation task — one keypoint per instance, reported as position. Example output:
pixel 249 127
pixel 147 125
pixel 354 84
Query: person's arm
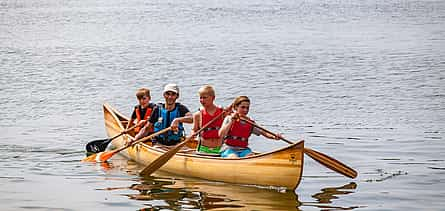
pixel 132 118
pixel 149 126
pixel 196 122
pixel 144 131
pixel 225 127
pixel 257 131
pixel 276 136
pixel 130 123
pixel 186 117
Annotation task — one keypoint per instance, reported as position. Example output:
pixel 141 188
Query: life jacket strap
pixel 236 138
pixel 211 128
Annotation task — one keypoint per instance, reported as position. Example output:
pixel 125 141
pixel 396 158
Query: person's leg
pixel 244 152
pixel 228 153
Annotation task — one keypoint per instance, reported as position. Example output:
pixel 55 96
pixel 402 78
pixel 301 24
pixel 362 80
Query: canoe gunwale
pixel 259 155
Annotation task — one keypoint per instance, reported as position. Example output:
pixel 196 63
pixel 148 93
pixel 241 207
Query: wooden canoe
pixel 280 168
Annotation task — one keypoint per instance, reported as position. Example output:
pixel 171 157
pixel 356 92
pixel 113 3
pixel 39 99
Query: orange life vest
pixel 239 134
pixel 212 130
pixel 138 117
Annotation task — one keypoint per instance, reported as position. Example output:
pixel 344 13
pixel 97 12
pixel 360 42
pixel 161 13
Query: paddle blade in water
pixel 99 157
pixel 104 156
pixel 91 158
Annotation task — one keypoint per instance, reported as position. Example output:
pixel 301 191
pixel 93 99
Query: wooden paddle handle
pixel 123 132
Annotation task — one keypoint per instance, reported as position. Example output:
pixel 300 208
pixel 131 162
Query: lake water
pixel 361 81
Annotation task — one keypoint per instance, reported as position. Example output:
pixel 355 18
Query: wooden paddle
pixel 161 160
pixel 321 158
pixel 104 156
pixel 101 145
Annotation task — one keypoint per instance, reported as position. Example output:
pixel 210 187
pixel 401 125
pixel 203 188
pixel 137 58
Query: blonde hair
pixel 238 100
pixel 207 89
pixel 140 93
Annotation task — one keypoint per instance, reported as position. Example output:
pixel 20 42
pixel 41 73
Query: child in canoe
pixel 142 111
pixel 236 132
pixel 209 140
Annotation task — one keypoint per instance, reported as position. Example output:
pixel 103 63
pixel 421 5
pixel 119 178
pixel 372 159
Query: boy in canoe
pixel 142 111
pixel 170 113
pixel 209 140
pixel 236 132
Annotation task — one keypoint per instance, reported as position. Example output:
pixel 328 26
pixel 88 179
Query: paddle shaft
pixel 125 131
pixel 161 160
pixel 331 163
pixel 323 159
pixel 144 139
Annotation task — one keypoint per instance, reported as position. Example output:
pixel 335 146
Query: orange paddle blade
pixel 91 158
pixel 106 155
pixel 99 157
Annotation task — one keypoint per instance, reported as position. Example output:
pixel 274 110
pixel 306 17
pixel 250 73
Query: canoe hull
pixel 281 168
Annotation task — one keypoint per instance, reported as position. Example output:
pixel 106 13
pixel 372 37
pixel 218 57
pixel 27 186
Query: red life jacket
pixel 138 117
pixel 239 133
pixel 212 130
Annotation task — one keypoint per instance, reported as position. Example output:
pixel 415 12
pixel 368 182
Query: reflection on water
pixel 179 197
pixel 167 191
pixel 179 194
pixel 327 194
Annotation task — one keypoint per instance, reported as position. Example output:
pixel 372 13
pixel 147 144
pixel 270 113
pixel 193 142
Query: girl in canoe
pixel 236 132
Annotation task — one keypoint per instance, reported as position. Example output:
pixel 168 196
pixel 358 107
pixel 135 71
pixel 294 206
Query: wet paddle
pixel 162 159
pixel 97 146
pixel 321 158
pixel 104 156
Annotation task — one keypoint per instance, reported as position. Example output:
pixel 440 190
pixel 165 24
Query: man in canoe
pixel 209 140
pixel 142 111
pixel 236 132
pixel 170 113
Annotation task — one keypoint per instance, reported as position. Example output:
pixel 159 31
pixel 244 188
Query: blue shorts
pixel 239 152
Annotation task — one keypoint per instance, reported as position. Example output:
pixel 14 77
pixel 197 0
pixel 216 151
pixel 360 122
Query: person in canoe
pixel 236 132
pixel 170 113
pixel 209 140
pixel 142 111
